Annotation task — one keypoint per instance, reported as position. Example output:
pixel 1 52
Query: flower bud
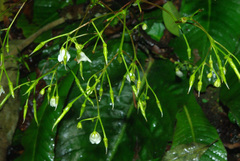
pixel 138 86
pixel 95 137
pixel 1 90
pixel 159 106
pixel 144 26
pixel 100 93
pixel 189 51
pixel 233 67
pixel 82 109
pixel 112 97
pixel 142 108
pixel 209 75
pixel 191 81
pixel 184 19
pixel 210 62
pixel 105 140
pixel 7 47
pixel 11 88
pixel 199 87
pixel 217 83
pixel 25 110
pixel 38 47
pixel 79 125
pixel 42 92
pixel 105 52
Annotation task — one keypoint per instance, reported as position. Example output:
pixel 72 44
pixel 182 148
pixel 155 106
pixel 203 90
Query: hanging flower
pixel 95 137
pixel 179 73
pixel 131 76
pixel 54 101
pixel 1 90
pixel 63 54
pixel 82 57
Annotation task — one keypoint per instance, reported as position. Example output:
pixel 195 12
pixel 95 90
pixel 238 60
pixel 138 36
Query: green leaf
pixel 39 140
pixel 155 27
pixel 192 126
pixel 169 20
pixel 221 21
pixel 186 152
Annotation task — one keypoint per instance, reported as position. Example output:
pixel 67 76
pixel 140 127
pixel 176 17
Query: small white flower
pixel 1 90
pixel 62 54
pixel 95 137
pixel 82 57
pixel 54 102
pixel 179 73
pixel 130 77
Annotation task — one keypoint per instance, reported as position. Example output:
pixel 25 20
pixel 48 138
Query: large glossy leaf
pixel 192 126
pixel 186 152
pixel 220 19
pixel 39 140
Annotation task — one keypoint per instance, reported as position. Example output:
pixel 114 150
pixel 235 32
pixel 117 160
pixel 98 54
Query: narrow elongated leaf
pixel 192 126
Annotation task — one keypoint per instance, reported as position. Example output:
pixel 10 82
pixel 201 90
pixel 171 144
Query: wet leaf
pixel 192 126
pixel 186 152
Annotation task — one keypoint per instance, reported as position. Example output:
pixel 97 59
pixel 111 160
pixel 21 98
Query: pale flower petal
pixel 179 73
pixel 129 76
pixel 1 90
pixel 53 102
pixel 95 137
pixel 82 57
pixel 62 54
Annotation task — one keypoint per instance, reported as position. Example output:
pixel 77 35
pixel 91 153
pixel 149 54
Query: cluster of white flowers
pixel 80 56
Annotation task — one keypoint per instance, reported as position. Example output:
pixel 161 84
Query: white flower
pixel 62 53
pixel 130 77
pixel 54 102
pixel 1 90
pixel 82 57
pixel 95 137
pixel 179 73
